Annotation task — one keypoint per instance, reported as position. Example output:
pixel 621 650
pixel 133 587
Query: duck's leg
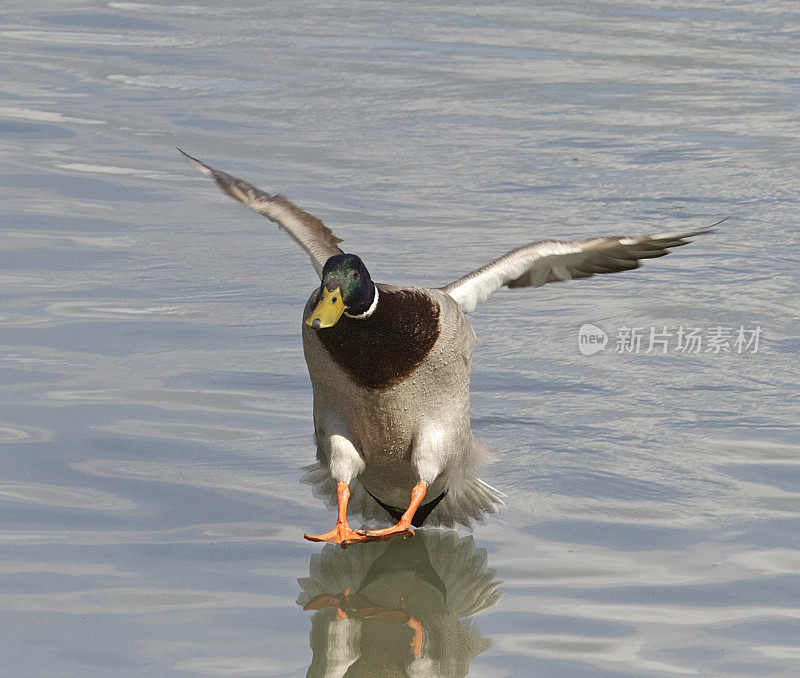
pixel 403 526
pixel 427 460
pixel 345 463
pixel 342 533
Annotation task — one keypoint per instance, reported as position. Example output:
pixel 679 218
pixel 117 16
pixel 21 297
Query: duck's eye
pixel 355 275
pixel 333 300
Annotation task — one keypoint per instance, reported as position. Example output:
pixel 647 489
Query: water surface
pixel 155 403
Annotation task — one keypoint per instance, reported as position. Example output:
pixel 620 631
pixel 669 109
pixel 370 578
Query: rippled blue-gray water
pixel 156 406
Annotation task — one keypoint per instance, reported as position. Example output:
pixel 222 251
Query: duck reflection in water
pixel 398 608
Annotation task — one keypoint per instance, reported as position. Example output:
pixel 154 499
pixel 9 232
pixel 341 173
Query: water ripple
pixel 67 497
pixel 134 601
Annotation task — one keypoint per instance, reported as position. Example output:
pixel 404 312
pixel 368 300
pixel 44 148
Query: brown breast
pixel 385 348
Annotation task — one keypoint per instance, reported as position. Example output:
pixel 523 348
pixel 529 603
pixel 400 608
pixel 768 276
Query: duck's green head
pixel 346 288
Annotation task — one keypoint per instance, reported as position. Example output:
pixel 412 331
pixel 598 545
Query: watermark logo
pixel 591 339
pixel 675 339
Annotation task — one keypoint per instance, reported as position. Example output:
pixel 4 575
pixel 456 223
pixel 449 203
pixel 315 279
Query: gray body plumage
pixel 425 414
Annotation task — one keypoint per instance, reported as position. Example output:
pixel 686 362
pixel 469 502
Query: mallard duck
pixel 390 369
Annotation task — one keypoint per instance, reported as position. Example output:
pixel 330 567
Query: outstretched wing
pixel 554 260
pixel 306 230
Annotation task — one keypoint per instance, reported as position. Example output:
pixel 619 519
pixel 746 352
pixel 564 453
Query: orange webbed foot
pixel 419 636
pixel 341 534
pixel 403 526
pixel 398 530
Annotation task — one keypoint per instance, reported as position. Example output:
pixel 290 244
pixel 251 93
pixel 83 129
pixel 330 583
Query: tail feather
pixel 467 504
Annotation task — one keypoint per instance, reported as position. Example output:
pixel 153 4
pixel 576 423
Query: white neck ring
pixel 369 311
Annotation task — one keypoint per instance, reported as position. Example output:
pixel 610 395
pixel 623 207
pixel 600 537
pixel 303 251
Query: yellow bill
pixel 328 310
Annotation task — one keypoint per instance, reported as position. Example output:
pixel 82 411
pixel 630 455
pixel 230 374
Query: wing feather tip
pixel 682 235
pixel 205 169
